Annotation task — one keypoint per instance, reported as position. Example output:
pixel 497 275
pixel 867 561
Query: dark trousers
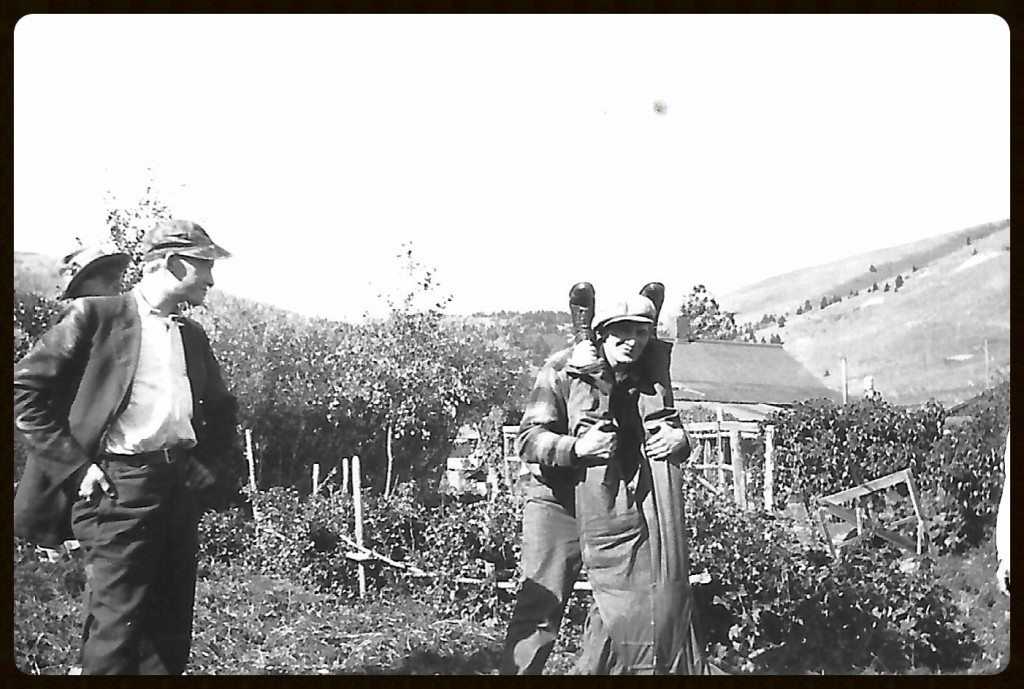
pixel 140 566
pixel 551 563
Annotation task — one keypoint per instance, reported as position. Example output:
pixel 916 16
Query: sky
pixel 516 155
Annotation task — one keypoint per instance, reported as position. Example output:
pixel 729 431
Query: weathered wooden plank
pixel 867 488
pixel 750 427
pixel 728 467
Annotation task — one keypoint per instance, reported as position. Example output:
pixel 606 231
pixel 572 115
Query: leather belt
pixel 168 455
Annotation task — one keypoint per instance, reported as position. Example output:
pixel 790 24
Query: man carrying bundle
pixel 608 494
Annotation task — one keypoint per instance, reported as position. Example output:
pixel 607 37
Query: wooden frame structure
pixel 832 505
pixel 710 437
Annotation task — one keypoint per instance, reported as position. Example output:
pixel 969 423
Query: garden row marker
pixel 250 459
pixel 318 484
pixel 832 505
pixel 344 475
pixel 357 502
pixel 252 474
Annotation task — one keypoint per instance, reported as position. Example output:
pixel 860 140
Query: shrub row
pixel 310 389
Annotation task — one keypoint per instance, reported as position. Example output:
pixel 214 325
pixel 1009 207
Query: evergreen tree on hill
pixel 707 319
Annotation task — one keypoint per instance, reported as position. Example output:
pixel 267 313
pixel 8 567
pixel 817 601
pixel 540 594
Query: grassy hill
pixel 36 273
pixel 928 339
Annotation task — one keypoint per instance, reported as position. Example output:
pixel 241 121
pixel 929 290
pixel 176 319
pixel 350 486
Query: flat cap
pixel 629 307
pixel 182 237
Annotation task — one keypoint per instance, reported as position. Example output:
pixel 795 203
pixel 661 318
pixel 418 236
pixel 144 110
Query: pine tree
pixel 707 320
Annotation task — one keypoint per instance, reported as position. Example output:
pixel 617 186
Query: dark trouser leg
pixel 127 568
pixel 172 595
pixel 551 563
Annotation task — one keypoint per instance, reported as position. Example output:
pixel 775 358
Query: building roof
pixel 714 371
pixel 736 410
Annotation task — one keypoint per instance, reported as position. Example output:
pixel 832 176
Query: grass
pixel 251 624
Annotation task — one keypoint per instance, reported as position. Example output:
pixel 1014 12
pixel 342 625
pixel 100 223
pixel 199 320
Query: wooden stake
pixel 357 501
pixel 721 446
pixel 316 477
pixel 251 460
pixel 344 475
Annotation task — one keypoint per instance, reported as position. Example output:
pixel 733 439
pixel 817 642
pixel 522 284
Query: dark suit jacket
pixel 71 386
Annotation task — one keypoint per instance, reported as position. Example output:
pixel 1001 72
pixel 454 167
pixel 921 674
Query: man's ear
pixel 174 265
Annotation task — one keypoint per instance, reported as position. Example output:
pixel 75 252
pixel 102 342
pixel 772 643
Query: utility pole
pixel 842 365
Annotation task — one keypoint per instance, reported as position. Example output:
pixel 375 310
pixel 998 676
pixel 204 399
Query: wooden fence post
pixel 738 477
pixel 357 501
pixel 344 475
pixel 769 468
pixel 316 477
pixel 721 447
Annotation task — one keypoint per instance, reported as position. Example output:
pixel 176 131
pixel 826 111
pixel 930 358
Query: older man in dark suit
pixel 129 427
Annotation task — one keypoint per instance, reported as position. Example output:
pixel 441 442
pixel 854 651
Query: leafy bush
pixel 46 610
pixel 33 315
pixel 967 480
pixel 306 540
pixel 822 448
pixel 774 607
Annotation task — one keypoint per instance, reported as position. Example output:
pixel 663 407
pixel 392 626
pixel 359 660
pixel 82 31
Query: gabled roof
pixel 742 372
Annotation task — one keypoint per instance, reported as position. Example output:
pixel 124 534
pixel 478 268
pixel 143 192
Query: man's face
pixel 102 284
pixel 624 341
pixel 195 278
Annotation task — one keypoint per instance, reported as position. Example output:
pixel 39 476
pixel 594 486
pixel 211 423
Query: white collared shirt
pixel 159 411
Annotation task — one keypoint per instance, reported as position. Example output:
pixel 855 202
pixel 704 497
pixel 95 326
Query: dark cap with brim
pixel 182 237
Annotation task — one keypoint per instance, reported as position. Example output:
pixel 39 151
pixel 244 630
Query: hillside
pixel 36 273
pixel 927 339
pixel 783 293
